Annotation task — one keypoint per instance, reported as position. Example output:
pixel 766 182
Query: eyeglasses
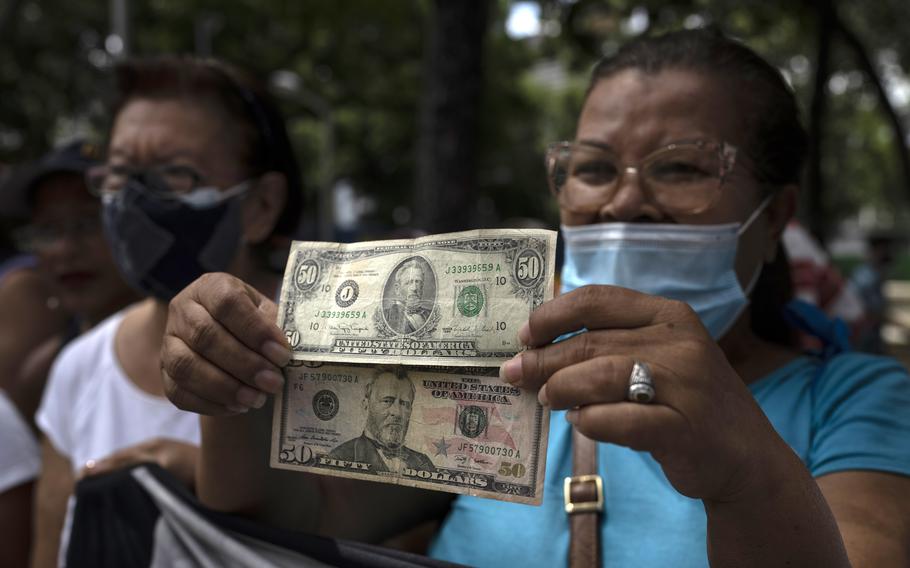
pixel 165 180
pixel 35 238
pixel 681 178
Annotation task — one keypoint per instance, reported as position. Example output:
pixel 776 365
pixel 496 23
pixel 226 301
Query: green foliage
pixel 901 270
pixel 45 72
pixel 366 60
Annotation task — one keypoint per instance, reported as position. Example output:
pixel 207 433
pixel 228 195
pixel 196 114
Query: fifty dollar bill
pixel 454 300
pixel 455 429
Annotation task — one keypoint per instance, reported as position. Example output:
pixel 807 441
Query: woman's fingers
pixel 597 307
pixel 241 310
pixel 600 380
pixel 222 351
pixel 186 400
pixel 211 383
pixel 173 455
pixel 207 340
pixel 641 427
pixel 123 458
pixel 532 368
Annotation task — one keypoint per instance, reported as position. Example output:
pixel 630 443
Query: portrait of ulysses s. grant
pixel 409 296
pixel 388 398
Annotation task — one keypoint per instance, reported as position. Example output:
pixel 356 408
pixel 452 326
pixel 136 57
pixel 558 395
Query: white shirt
pixel 20 456
pixel 91 408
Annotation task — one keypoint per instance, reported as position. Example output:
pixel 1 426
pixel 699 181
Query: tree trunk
pixel 8 18
pixel 817 220
pixel 446 194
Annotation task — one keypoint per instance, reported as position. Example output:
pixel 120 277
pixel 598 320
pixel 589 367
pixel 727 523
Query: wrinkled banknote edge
pixel 540 432
pixel 354 359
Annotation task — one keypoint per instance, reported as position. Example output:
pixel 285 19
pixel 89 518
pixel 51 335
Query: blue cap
pixel 75 157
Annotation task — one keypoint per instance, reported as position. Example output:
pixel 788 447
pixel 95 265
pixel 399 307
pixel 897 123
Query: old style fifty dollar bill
pixel 453 299
pixel 455 429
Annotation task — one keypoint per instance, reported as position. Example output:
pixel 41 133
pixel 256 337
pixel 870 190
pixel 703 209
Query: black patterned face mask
pixel 161 243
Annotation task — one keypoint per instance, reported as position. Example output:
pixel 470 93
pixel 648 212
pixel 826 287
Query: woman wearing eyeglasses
pixel 703 435
pixel 718 441
pixel 200 177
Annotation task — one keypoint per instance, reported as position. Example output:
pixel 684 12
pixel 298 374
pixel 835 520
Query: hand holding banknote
pixel 222 352
pixel 355 315
pixel 365 320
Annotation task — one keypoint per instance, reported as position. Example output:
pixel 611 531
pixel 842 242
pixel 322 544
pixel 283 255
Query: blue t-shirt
pixel 851 415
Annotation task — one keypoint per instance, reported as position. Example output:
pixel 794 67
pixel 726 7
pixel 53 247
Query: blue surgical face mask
pixel 695 264
pixel 161 243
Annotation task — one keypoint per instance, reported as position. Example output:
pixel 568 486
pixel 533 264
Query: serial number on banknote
pixel 490 450
pixel 339 315
pixel 469 268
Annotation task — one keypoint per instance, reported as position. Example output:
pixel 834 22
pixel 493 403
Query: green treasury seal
pixel 470 301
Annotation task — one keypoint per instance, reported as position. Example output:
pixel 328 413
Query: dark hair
pixel 776 141
pixel 265 141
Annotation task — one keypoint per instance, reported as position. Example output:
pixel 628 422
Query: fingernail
pixel 276 353
pixel 238 409
pixel 510 371
pixel 250 397
pixel 269 381
pixel 542 396
pixel 572 417
pixel 524 334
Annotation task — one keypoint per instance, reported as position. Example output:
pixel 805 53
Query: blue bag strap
pixel 835 337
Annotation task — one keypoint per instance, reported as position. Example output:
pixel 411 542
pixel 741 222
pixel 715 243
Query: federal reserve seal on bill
pixel 325 405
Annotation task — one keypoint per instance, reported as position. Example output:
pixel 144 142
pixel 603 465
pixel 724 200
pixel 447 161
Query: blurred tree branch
pixel 816 183
pixel 9 16
pixel 868 67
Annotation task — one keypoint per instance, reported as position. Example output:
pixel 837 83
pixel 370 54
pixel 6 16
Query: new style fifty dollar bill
pixel 453 300
pixel 455 429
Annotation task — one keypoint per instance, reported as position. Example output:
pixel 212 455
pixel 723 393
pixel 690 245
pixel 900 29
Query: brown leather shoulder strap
pixel 584 503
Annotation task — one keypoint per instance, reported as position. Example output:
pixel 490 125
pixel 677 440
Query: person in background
pixel 744 451
pixel 869 279
pixel 64 236
pixel 29 311
pixel 817 281
pixel 25 321
pixel 79 282
pixel 200 177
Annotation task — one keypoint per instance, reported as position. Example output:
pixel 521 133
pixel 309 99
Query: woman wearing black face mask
pixel 200 178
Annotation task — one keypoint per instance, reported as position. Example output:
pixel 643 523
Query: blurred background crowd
pixel 428 116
